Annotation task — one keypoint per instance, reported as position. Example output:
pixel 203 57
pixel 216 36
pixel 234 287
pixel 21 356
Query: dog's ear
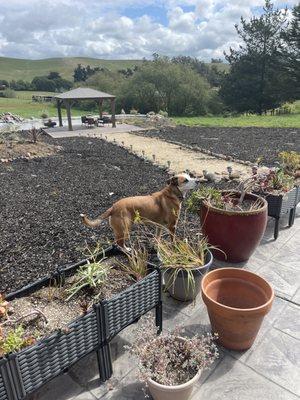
pixel 173 181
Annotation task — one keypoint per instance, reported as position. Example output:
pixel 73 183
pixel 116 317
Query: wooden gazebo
pixel 68 99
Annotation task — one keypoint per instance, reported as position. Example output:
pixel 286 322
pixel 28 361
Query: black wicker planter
pixel 279 205
pixel 24 372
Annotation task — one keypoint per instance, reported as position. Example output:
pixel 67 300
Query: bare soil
pixel 11 150
pixel 40 314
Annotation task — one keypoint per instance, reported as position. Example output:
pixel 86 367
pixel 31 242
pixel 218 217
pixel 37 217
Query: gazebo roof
pixel 84 93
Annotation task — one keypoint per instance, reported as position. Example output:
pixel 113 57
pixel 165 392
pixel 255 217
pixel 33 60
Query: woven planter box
pixel 124 308
pixel 6 388
pixel 279 205
pixel 24 372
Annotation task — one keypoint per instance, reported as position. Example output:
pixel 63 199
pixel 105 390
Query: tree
pixel 211 73
pixel 20 85
pixel 53 75
pixel 80 74
pixel 291 53
pixel 257 79
pixel 51 83
pixel 43 83
pixel 162 84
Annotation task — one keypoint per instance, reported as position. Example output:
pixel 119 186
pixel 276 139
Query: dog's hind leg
pixel 121 228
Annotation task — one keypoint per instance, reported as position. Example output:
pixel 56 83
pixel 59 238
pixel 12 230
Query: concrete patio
pixel 270 370
pixel 61 132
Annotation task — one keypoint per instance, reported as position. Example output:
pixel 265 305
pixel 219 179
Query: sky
pixel 123 29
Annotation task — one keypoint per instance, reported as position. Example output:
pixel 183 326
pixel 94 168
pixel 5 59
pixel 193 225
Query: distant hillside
pixel 15 68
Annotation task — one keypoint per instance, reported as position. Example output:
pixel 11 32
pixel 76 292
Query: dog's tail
pixel 96 222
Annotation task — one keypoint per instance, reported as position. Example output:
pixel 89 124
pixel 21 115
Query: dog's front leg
pixel 172 229
pixel 158 232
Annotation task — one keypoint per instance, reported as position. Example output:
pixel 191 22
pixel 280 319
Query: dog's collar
pixel 179 194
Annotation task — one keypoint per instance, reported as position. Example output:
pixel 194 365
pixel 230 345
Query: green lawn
pixel 23 106
pixel 266 121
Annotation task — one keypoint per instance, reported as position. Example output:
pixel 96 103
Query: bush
pixel 163 113
pixel 43 83
pixel 20 85
pixel 44 115
pixel 9 93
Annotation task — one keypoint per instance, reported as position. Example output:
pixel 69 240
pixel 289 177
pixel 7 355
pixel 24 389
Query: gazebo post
pixel 68 107
pixel 100 108
pixel 113 112
pixel 58 102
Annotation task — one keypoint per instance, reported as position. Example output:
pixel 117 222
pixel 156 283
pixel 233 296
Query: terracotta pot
pixel 179 392
pixel 237 234
pixel 236 301
pixel 180 289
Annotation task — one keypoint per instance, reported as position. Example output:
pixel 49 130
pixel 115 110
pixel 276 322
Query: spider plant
pixel 136 265
pixel 184 257
pixel 91 275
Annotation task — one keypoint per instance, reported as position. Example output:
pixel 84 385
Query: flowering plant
pixel 170 359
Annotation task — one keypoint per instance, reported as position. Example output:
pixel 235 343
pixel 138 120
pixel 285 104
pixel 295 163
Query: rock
pixel 209 176
pixel 235 175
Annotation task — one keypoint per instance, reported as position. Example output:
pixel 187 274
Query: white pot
pixel 178 392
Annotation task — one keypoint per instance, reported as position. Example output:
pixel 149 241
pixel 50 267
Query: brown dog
pixel 162 208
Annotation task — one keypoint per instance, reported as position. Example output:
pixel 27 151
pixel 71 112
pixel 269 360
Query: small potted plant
pixel 184 262
pixel 280 187
pixel 232 221
pixel 237 302
pixel 170 364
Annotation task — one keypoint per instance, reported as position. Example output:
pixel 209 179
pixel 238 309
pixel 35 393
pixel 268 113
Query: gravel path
pixel 180 158
pixel 41 200
pixel 242 143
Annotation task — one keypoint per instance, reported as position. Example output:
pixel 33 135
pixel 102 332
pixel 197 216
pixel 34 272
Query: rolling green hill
pixel 15 68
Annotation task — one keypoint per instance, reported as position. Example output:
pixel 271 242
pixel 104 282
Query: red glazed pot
pixel 236 301
pixel 237 234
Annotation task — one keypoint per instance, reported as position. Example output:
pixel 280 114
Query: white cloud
pixel 108 29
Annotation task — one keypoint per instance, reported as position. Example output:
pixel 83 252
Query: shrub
pixel 9 93
pixel 163 113
pixel 14 340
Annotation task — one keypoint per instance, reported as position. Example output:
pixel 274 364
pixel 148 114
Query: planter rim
pixel 245 310
pixel 176 387
pixel 208 263
pixel 239 213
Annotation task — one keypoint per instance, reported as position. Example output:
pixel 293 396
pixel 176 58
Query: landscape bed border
pixel 27 370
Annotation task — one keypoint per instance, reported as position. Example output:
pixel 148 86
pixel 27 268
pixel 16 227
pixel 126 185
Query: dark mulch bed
pixel 242 143
pixel 41 200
